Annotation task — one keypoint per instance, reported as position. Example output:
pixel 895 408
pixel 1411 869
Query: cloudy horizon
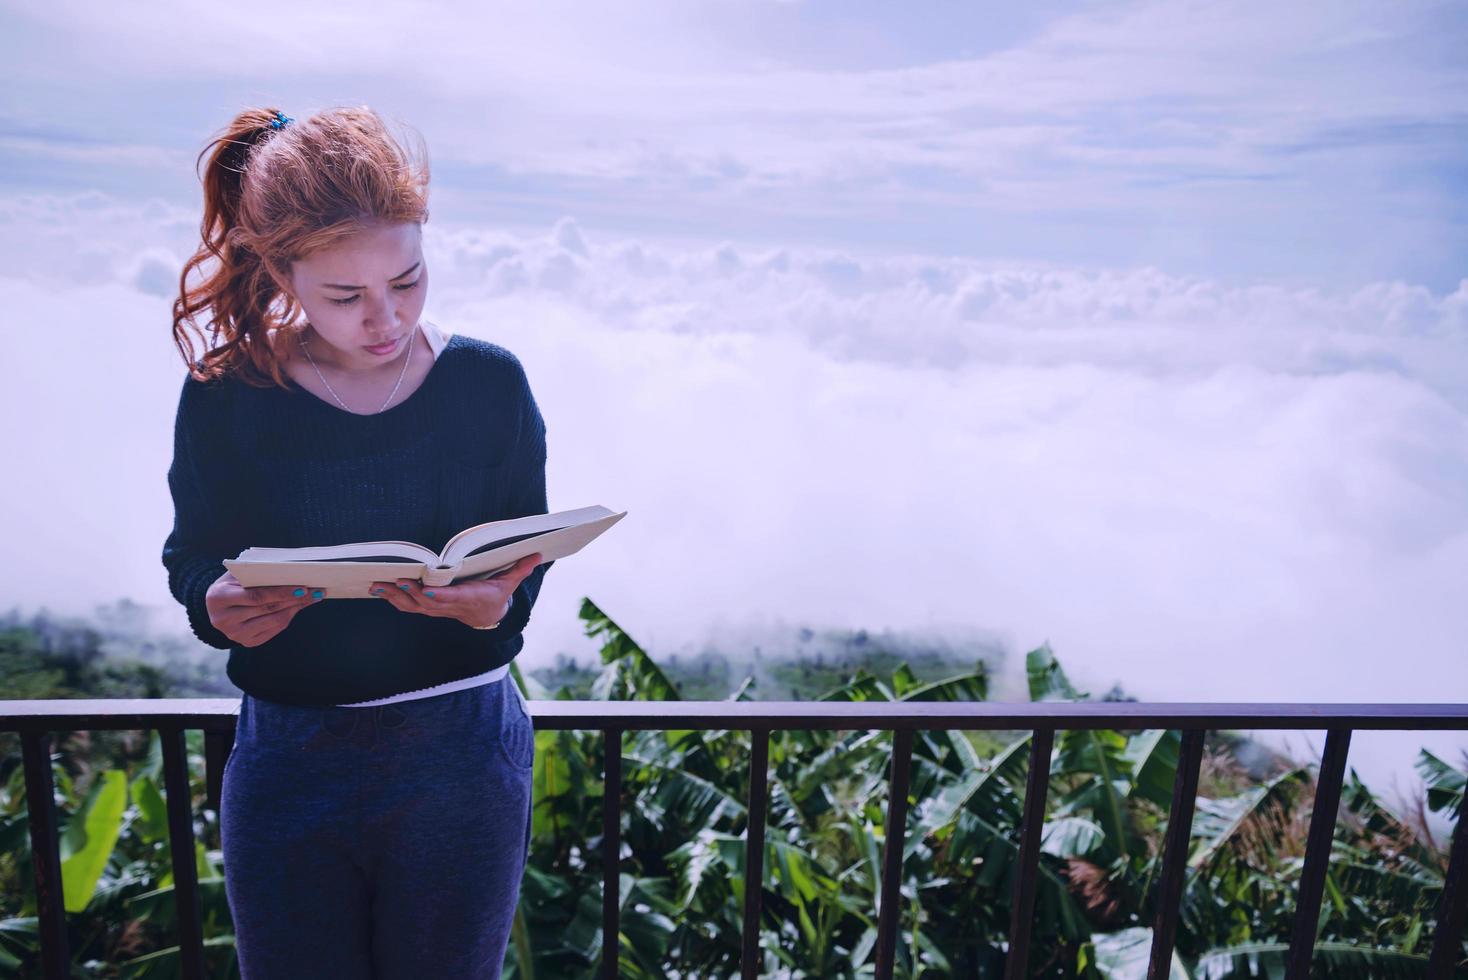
pixel 1138 328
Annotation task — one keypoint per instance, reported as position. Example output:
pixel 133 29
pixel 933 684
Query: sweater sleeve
pixel 527 496
pixel 195 549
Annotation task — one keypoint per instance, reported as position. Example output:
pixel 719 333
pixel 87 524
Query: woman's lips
pixel 386 348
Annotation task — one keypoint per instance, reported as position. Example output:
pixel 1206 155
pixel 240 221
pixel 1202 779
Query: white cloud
pixel 1218 138
pixel 1202 491
pixel 97 154
pixel 947 312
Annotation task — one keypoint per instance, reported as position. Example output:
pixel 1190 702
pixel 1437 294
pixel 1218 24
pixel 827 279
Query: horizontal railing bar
pixel 119 714
pixel 216 714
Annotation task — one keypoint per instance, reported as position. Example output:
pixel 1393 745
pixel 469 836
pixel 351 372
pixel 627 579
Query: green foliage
pixel 804 665
pixel 1339 961
pixel 90 836
pixel 1445 785
pixel 116 871
pixel 113 654
pixel 683 859
pixel 684 817
pixel 1124 955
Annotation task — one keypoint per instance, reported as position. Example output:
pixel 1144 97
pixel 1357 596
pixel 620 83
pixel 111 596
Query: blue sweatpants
pixel 384 842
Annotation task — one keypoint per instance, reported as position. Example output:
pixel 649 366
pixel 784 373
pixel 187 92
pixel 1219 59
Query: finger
pixel 264 633
pixel 263 594
pixel 268 619
pixel 517 570
pixel 471 602
pixel 521 570
pixel 470 591
pixel 291 603
pixel 463 602
pixel 390 592
pixel 251 608
pixel 401 595
pixel 413 591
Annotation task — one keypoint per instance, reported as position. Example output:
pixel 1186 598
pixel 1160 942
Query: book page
pixel 360 551
pixel 552 545
pixel 500 533
pixel 340 579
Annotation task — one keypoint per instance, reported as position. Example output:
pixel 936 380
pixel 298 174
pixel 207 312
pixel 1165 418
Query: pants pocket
pixel 517 731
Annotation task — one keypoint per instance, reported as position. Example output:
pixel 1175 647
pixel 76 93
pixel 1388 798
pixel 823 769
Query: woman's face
pixel 365 292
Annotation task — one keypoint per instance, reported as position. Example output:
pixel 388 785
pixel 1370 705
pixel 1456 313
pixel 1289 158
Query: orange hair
pixel 274 196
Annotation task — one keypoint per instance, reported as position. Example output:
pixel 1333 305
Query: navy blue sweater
pixel 278 467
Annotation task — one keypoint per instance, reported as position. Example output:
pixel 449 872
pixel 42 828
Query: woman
pixel 375 816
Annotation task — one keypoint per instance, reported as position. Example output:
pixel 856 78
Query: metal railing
pixel 36 720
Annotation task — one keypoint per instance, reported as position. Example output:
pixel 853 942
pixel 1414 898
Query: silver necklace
pixel 406 358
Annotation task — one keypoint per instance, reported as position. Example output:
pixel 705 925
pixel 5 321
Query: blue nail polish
pixel 299 592
pixel 317 593
pixel 428 594
pixel 377 592
pixel 404 588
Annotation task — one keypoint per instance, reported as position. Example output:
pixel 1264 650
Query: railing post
pixel 45 854
pixel 179 804
pixel 611 843
pixel 1175 854
pixel 217 747
pixel 754 852
pixel 1452 907
pixel 1317 853
pixel 890 909
pixel 1022 902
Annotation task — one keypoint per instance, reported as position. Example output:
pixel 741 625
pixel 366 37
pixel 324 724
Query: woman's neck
pixel 310 346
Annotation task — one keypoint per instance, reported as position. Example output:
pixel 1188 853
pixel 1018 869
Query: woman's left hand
pixel 478 603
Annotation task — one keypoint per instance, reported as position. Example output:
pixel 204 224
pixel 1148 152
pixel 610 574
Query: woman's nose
pixel 381 312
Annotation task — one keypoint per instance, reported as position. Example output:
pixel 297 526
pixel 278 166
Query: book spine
pixel 438 576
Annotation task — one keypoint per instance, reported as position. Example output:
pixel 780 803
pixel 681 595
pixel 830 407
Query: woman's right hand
pixel 249 617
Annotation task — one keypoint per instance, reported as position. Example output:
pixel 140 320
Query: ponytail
pixel 271 196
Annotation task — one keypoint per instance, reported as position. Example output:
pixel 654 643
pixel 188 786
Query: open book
pixel 347 571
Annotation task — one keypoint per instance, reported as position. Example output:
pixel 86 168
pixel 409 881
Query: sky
pixel 1138 328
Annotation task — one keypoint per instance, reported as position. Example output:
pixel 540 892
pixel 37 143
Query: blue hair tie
pixel 280 120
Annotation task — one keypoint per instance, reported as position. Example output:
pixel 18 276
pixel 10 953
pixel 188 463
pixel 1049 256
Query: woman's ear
pixel 282 280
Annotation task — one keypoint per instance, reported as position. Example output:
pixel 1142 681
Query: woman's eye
pixel 352 299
